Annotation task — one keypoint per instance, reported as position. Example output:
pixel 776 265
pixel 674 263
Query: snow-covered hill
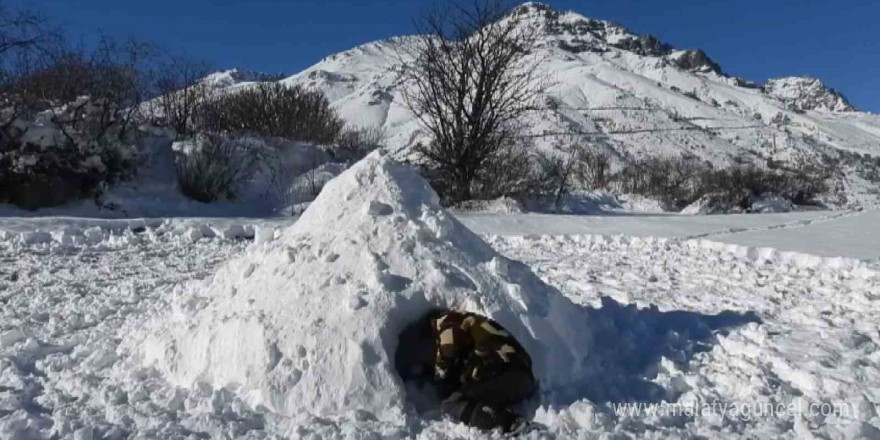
pixel 633 94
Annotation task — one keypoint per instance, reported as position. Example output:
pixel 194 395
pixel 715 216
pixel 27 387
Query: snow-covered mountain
pixel 234 77
pixel 633 94
pixel 801 93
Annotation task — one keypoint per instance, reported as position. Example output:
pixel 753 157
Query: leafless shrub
pixel 215 166
pixel 507 172
pixel 92 99
pixel 273 109
pixel 594 172
pixel 181 91
pixel 355 143
pixel 313 180
pixel 678 182
pixel 472 78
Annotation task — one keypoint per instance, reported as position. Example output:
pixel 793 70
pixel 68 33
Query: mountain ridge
pixel 632 96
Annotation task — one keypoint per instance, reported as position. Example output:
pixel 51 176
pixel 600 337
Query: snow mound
pixel 712 204
pixel 770 203
pixel 308 323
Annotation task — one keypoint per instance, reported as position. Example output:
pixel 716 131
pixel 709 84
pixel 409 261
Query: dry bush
pixel 678 182
pixel 354 144
pixel 215 167
pixel 86 104
pixel 181 91
pixel 273 109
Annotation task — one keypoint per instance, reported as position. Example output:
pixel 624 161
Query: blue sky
pixel 835 41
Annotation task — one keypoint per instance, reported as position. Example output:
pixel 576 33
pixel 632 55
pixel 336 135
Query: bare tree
pixel 181 91
pixel 23 30
pixel 354 143
pixel 559 172
pixel 25 38
pixel 103 92
pixel 595 168
pixel 472 74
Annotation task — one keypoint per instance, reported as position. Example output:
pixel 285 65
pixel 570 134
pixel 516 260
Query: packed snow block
pixel 8 338
pixel 207 232
pixel 193 234
pixel 94 235
pixel 770 203
pixel 309 322
pixel 67 236
pixel 264 234
pixel 36 237
pixel 230 232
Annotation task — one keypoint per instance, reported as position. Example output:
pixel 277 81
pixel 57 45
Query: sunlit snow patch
pixel 308 323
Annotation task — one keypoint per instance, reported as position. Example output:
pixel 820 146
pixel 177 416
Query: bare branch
pixel 471 76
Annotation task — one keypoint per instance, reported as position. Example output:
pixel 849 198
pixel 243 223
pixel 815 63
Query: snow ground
pixel 856 236
pixel 692 310
pixel 65 309
pixel 822 233
pixel 662 225
pixel 817 340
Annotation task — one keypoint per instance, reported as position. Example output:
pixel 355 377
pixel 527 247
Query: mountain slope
pixel 634 95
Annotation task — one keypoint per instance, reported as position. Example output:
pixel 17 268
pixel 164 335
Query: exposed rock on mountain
pixel 695 61
pixel 804 93
pixel 231 77
pixel 647 45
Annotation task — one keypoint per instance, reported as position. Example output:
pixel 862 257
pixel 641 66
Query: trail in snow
pixel 823 233
pixel 785 225
pixel 855 235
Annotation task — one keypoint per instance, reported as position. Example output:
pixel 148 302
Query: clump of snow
pixel 502 205
pixel 640 204
pixel 712 204
pixel 770 203
pixel 722 204
pixel 308 323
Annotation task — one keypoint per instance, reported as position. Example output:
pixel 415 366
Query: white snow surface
pixel 809 234
pixel 308 323
pixel 85 322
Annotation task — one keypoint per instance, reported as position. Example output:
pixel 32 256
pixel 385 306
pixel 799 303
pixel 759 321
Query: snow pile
pixel 770 203
pixel 712 204
pixel 724 204
pixel 308 323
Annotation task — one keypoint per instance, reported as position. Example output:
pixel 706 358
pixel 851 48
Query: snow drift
pixel 308 323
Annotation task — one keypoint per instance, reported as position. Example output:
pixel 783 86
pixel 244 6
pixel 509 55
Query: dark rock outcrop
pixel 645 45
pixel 696 61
